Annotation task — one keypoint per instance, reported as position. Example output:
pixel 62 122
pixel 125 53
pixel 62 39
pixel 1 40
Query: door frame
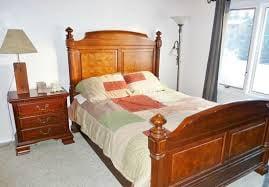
pixel 264 7
pixel 255 44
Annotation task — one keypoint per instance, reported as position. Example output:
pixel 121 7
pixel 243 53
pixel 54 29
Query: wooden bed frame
pixel 211 148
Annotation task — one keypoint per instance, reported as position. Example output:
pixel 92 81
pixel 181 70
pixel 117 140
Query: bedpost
pixel 158 50
pixel 69 31
pixel 69 38
pixel 157 147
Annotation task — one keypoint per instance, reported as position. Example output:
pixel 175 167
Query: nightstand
pixel 39 117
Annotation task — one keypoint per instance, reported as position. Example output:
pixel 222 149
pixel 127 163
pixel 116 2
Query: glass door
pixel 261 76
pixel 237 41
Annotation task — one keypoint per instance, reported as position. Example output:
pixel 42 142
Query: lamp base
pixel 21 78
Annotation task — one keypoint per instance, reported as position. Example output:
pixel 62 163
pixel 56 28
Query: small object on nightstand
pixel 41 87
pixel 39 117
pixel 56 87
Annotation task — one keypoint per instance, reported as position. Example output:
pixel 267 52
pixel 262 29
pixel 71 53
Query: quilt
pixel 120 126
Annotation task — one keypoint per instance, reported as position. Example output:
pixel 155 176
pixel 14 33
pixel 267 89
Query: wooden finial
pixel 159 33
pixel 158 132
pixel 158 152
pixel 69 31
pixel 158 39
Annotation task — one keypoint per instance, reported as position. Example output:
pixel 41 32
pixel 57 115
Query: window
pixel 236 47
pixel 261 78
pixel 245 58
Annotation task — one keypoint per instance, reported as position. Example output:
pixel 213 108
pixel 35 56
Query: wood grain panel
pixel 74 66
pixel 138 60
pixel 224 175
pixel 196 159
pixel 98 62
pixel 246 139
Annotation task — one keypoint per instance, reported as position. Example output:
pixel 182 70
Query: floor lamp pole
pixel 179 53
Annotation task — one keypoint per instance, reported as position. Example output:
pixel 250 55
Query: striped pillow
pixel 143 82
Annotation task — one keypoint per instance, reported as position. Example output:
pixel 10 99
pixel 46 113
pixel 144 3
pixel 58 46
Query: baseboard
pixel 4 142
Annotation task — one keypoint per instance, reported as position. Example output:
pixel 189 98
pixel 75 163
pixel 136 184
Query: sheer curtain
pixel 212 72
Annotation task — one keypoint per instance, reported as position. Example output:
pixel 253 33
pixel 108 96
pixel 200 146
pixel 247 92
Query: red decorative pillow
pixel 134 77
pixel 115 85
pixel 143 82
pixel 116 89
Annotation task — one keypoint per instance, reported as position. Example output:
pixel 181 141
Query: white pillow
pixel 104 87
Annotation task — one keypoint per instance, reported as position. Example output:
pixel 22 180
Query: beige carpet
pixel 51 164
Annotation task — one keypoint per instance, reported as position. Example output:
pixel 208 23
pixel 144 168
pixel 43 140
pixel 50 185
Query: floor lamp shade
pixel 180 20
pixel 17 42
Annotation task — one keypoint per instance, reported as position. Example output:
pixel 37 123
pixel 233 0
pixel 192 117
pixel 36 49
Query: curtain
pixel 212 72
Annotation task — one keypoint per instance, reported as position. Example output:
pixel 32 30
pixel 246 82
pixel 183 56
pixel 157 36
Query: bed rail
pixel 211 148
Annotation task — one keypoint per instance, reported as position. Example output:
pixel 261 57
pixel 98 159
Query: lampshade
pixel 180 20
pixel 17 42
pixel 174 50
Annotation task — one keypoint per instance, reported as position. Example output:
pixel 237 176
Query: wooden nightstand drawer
pixel 40 107
pixel 42 120
pixel 43 132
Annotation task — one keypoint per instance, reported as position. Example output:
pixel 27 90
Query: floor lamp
pixel 17 42
pixel 176 50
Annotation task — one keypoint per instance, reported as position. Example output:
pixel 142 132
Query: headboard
pixel 111 51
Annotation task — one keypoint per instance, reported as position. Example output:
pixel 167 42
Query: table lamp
pixel 17 42
pixel 176 50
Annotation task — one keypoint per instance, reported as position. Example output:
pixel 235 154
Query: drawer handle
pixel 44 120
pixel 45 108
pixel 45 133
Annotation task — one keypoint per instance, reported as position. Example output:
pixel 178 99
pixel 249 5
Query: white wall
pixel 199 38
pixel 45 22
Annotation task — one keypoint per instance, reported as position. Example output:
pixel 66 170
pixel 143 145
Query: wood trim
pixel 217 128
pixel 264 167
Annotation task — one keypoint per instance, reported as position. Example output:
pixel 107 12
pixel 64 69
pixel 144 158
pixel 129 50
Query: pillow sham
pixel 104 87
pixel 143 82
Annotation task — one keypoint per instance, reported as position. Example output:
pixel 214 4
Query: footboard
pixel 211 148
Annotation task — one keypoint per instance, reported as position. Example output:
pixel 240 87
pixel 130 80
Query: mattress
pixel 123 135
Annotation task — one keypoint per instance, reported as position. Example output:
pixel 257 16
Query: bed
pixel 212 147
